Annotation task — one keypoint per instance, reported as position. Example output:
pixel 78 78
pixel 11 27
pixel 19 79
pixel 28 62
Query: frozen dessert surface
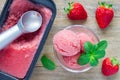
pixel 16 58
pixel 71 61
pixel 83 37
pixel 66 43
pixel 65 40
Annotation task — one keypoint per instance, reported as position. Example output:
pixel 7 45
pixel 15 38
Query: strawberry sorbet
pixel 66 43
pixel 16 58
pixel 69 45
pixel 84 38
pixel 71 61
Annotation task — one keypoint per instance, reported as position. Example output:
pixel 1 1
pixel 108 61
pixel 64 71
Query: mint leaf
pixel 99 54
pixel 102 45
pixel 83 59
pixel 92 52
pixel 47 63
pixel 95 46
pixel 93 61
pixel 88 46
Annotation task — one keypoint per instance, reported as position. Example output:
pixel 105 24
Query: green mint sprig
pixel 92 53
pixel 47 63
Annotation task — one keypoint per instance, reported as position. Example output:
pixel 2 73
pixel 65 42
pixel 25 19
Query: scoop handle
pixel 9 36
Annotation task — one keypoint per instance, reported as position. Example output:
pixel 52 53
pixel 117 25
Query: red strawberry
pixel 76 11
pixel 104 14
pixel 110 66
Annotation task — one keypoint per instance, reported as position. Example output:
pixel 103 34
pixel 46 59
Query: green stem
pixel 99 2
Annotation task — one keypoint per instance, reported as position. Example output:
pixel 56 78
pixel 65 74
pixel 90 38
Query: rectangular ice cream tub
pixel 17 60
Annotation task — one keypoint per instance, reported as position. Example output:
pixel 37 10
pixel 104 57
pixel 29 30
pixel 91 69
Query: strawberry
pixel 104 14
pixel 76 11
pixel 110 66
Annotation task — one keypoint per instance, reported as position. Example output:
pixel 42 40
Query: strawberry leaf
pixel 110 5
pixel 83 59
pixel 114 61
pixel 103 3
pixel 99 54
pixel 67 10
pixel 47 63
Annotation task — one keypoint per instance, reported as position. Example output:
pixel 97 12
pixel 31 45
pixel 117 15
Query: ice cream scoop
pixel 29 22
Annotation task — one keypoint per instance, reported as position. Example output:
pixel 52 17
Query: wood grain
pixel 2 2
pixel 60 74
pixel 111 34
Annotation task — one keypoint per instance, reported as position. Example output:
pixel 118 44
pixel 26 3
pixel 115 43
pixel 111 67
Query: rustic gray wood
pixel 111 34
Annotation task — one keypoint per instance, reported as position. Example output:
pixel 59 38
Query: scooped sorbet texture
pixel 16 58
pixel 66 43
pixel 70 45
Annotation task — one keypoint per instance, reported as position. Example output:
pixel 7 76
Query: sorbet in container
pixel 69 45
pixel 18 59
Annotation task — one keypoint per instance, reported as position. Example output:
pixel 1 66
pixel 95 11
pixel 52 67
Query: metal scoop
pixel 29 22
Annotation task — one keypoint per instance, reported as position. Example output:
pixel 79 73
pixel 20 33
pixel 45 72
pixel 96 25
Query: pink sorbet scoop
pixel 84 38
pixel 66 43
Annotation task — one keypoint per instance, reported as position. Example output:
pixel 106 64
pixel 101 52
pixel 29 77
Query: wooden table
pixel 111 34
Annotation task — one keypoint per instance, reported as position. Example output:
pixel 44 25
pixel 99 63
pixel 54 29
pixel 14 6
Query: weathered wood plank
pixel 60 74
pixel 89 5
pixel 2 2
pixel 112 34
